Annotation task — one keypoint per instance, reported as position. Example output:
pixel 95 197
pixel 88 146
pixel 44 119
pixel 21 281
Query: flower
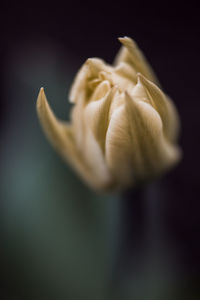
pixel 123 128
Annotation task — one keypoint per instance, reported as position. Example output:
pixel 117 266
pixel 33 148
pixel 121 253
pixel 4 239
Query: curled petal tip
pixel 94 62
pixel 127 41
pixel 124 38
pixel 90 61
pixel 139 75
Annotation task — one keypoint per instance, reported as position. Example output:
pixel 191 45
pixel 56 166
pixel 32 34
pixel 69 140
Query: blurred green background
pixel 57 231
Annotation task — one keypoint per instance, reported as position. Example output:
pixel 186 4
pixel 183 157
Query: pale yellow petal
pixel 119 150
pixel 56 130
pixel 125 70
pixel 139 92
pixel 101 90
pixel 81 87
pixel 164 107
pixel 77 120
pixel 132 55
pixel 96 65
pixel 118 100
pixel 94 157
pixel 156 153
pixel 61 136
pixel 136 148
pixel 97 116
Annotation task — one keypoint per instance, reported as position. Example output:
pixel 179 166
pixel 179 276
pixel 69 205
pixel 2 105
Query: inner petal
pixel 101 90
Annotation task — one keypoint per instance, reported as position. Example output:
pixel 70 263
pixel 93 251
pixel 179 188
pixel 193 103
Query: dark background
pixel 60 37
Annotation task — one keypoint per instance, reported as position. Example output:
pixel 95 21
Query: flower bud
pixel 123 128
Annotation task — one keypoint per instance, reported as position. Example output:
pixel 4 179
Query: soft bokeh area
pixel 61 240
pixel 56 229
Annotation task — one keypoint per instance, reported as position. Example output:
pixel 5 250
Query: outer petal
pixel 93 156
pixel 131 54
pixel 155 153
pixel 118 149
pixel 87 143
pixel 164 107
pixel 61 136
pixel 78 123
pixel 136 148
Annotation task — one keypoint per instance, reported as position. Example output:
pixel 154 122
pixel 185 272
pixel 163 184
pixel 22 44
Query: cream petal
pixel 57 131
pixel 61 136
pixel 125 70
pixel 117 101
pixel 96 65
pixel 119 150
pixel 155 152
pixel 164 107
pixel 81 87
pixel 131 54
pixel 94 158
pixel 78 122
pixel 139 92
pixel 101 90
pixel 123 83
pixel 82 113
pixel 97 116
pixel 86 143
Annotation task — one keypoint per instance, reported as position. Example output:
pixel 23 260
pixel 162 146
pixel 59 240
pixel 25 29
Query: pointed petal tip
pixel 142 79
pixel 146 81
pixel 130 101
pixel 128 97
pixel 41 91
pixel 41 99
pixel 127 94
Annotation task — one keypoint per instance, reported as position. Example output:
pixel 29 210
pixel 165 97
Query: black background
pixel 169 35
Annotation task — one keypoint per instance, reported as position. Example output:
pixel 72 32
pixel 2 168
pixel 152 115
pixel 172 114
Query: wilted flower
pixel 123 128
